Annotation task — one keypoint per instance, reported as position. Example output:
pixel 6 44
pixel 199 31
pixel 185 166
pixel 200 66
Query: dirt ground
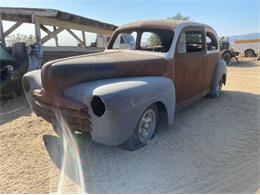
pixel 212 147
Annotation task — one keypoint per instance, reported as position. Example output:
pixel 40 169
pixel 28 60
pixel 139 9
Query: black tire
pixel 218 90
pixel 226 56
pixel 135 141
pixel 249 53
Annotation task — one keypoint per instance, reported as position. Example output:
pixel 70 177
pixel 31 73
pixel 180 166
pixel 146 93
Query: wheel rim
pixel 249 54
pixel 147 125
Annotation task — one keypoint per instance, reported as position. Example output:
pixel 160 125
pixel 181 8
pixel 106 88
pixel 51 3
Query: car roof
pixel 160 24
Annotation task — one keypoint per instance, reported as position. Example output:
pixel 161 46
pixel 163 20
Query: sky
pixel 227 17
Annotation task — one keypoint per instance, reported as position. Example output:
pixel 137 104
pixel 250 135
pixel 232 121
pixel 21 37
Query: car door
pixel 189 63
pixel 213 56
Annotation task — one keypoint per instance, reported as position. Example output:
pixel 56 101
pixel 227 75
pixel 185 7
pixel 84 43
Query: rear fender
pixel 220 70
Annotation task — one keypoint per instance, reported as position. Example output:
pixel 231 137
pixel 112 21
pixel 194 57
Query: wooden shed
pixel 59 21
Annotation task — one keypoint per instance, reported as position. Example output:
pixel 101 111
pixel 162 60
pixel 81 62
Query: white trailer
pixel 247 47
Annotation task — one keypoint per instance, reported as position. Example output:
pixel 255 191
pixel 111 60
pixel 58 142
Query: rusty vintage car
pixel 149 67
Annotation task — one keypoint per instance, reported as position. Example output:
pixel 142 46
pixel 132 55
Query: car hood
pixel 59 74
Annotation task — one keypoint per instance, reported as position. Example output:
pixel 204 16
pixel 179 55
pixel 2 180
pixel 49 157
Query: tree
pixel 179 16
pixel 27 39
pixel 154 40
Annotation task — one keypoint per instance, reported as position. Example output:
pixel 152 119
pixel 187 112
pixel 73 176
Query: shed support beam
pixel 84 38
pixel 2 36
pixel 48 32
pixel 12 28
pixel 56 37
pixel 51 35
pixel 75 36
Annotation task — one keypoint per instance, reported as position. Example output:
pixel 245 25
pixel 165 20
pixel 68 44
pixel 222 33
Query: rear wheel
pixel 226 57
pixel 218 89
pixel 144 130
pixel 249 53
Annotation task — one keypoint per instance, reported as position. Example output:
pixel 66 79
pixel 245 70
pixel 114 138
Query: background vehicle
pixel 247 47
pixel 11 74
pixel 148 68
pixel 227 53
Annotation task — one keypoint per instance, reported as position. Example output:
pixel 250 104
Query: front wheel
pixel 144 130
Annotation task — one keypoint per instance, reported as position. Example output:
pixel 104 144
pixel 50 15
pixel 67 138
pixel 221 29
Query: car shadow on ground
pixel 14 108
pixel 212 147
pixel 244 63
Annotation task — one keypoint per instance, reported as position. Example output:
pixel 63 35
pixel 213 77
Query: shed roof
pixel 27 15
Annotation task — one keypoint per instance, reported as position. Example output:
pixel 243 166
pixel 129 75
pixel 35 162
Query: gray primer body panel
pixel 220 70
pixel 125 100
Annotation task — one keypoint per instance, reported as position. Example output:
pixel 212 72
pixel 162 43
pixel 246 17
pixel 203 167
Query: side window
pixel 190 41
pixel 212 43
pixel 149 40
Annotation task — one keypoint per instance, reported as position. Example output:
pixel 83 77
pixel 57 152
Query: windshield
pixel 148 40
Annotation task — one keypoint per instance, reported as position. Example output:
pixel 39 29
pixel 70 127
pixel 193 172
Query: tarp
pixel 5 55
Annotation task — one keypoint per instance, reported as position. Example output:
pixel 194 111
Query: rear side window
pixel 190 41
pixel 212 43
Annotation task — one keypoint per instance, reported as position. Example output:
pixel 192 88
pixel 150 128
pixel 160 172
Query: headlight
pixel 98 106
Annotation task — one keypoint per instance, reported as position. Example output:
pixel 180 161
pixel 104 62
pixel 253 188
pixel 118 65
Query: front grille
pixel 74 113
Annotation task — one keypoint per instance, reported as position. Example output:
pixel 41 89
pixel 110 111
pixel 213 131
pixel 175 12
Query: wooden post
pixel 2 37
pixel 37 31
pixel 84 38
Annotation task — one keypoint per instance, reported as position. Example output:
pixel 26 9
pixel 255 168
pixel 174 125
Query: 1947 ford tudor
pixel 147 68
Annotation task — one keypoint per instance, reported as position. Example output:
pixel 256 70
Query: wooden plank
pixel 73 25
pixel 12 28
pixel 2 36
pixel 17 18
pixel 28 11
pixel 51 35
pixel 75 36
pixel 48 32
pixel 45 29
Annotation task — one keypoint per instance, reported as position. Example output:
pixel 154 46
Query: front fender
pixel 31 81
pixel 125 100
